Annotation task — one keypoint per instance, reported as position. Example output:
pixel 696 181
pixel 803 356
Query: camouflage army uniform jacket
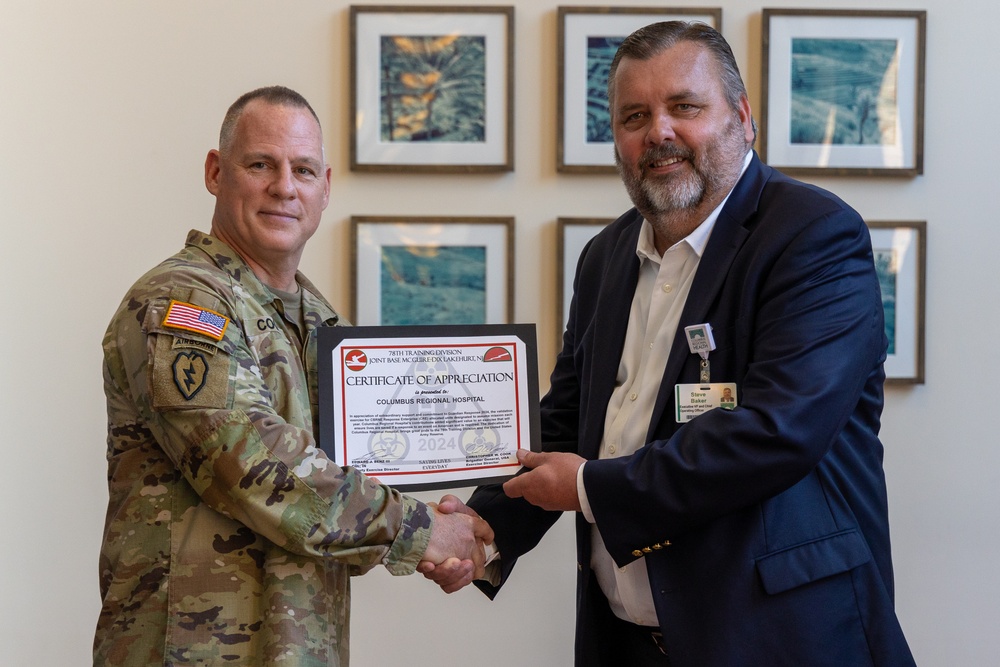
pixel 230 537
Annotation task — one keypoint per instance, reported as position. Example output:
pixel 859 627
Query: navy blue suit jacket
pixel 764 528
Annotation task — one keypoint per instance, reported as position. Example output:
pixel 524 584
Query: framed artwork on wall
pixel 430 270
pixel 573 234
pixel 587 41
pixel 900 260
pixel 843 91
pixel 432 88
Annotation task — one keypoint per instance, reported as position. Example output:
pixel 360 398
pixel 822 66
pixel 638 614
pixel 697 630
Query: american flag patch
pixel 192 318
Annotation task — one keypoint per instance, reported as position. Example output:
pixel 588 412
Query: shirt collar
pixel 698 239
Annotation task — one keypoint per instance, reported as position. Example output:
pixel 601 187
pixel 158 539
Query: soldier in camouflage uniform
pixel 230 537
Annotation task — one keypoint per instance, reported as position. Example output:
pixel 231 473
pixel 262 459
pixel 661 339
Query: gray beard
pixel 684 192
pixel 654 196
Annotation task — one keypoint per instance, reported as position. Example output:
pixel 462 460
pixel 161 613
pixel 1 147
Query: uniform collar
pixel 229 261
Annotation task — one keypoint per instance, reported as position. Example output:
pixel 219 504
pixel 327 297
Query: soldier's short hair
pixel 275 95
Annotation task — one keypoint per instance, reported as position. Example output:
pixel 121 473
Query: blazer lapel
pixel 613 306
pixel 727 237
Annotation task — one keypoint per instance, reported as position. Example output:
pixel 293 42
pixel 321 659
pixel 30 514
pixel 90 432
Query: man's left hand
pixel 551 482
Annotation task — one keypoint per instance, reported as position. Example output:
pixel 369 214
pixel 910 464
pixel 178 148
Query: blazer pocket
pixel 804 563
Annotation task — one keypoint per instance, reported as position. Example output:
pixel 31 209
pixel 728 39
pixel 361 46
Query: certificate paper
pixel 429 407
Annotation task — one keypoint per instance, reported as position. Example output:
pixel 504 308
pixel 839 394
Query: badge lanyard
pixel 693 400
pixel 701 342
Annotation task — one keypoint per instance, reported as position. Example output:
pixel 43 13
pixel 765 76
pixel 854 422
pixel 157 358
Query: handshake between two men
pixel 457 552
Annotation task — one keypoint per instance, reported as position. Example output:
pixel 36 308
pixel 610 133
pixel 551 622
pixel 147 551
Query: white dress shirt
pixel 662 290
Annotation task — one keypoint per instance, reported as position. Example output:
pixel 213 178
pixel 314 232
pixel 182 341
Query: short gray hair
pixel 275 95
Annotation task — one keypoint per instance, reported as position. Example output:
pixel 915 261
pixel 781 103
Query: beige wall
pixel 106 111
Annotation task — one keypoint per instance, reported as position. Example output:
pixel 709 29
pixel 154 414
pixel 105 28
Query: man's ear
pixel 212 168
pixel 746 119
pixel 328 174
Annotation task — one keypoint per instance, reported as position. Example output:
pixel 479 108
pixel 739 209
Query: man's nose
pixel 283 183
pixel 661 128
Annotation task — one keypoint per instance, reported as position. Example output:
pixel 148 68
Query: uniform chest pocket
pixel 272 347
pixel 276 354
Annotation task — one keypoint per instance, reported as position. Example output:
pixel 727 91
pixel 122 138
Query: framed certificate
pixel 429 407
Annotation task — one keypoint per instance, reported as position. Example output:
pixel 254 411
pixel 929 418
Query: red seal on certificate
pixel 497 354
pixel 356 360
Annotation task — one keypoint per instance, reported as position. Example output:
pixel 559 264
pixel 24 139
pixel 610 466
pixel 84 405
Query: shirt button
pixel 612 449
pixel 651 346
pixel 633 396
pixel 668 288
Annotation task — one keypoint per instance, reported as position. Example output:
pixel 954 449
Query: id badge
pixel 691 400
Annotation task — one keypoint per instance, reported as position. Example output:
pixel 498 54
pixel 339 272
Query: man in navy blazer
pixel 708 536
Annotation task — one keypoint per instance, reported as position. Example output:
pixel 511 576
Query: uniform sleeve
pixel 207 405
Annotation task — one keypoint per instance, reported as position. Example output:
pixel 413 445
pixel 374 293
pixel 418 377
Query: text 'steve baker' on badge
pixel 692 400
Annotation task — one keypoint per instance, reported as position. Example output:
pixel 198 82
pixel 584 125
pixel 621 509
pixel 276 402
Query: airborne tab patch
pixel 190 317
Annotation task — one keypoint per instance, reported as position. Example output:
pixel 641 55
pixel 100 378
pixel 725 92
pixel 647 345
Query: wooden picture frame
pixel 571 237
pixel 409 270
pixel 843 92
pixel 587 41
pixel 432 88
pixel 900 250
pixel 900 259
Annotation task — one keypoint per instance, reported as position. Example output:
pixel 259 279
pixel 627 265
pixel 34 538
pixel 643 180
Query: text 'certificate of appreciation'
pixel 429 407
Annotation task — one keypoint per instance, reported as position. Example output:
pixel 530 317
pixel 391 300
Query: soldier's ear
pixel 212 168
pixel 327 175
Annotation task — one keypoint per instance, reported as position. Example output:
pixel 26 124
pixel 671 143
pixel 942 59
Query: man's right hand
pixel 455 555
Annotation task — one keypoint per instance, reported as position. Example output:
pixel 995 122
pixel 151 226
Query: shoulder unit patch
pixel 190 371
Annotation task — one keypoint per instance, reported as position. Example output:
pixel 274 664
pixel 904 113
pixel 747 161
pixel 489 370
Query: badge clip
pixel 701 342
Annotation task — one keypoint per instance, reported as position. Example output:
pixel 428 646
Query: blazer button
pixel 647 550
pixel 637 553
pixel 666 543
pixel 657 546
